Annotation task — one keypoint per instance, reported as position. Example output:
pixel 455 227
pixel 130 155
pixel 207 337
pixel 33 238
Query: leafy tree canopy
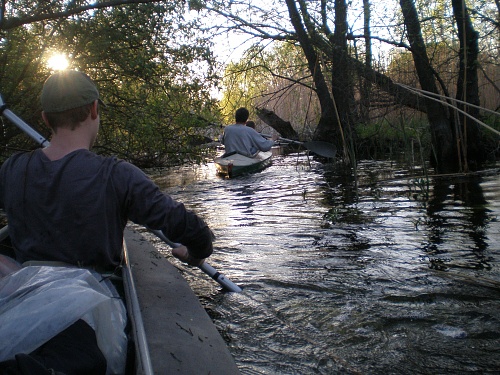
pixel 153 66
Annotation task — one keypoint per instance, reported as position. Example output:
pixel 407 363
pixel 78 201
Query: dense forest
pixel 371 78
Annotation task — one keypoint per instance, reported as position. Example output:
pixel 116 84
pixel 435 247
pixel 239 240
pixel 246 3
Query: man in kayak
pixel 67 204
pixel 242 139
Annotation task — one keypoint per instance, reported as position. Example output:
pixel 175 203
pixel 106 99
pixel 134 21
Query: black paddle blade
pixel 325 149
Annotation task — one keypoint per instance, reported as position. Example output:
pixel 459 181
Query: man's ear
pixel 94 110
pixel 44 117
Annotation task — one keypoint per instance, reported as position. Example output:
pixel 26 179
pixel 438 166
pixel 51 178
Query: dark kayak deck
pixel 182 338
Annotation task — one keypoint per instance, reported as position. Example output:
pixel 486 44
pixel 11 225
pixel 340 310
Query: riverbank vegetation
pixel 409 77
pixel 400 63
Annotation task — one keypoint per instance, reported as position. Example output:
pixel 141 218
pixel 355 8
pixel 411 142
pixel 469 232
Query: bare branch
pixel 391 42
pixel 11 23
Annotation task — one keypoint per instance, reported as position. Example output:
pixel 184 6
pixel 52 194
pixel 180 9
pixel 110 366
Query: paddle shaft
pixel 205 267
pixel 325 149
pixel 283 139
pixel 291 141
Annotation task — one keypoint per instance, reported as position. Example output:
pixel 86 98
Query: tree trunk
pixel 365 85
pixel 473 150
pixel 444 156
pixel 342 88
pixel 328 127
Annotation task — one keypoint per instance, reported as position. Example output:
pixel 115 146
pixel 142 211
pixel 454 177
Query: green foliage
pixel 244 83
pixel 406 136
pixel 196 5
pixel 21 77
pixel 153 69
pixel 275 78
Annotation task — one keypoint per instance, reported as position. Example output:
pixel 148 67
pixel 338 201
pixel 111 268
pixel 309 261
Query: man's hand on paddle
pixel 182 254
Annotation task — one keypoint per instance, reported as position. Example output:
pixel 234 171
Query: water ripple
pixel 391 278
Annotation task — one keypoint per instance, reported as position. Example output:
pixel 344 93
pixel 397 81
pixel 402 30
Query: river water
pixel 391 274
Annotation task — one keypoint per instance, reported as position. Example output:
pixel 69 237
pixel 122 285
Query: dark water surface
pixel 394 277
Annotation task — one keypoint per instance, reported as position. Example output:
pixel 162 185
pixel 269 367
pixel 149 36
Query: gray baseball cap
pixel 68 89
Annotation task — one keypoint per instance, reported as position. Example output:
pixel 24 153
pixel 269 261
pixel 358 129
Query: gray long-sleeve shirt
pixel 244 140
pixel 75 209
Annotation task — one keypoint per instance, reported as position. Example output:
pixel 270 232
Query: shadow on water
pixel 397 276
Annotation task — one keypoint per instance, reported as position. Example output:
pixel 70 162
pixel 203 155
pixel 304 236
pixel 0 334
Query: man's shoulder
pixel 16 157
pixel 236 127
pixel 121 166
pixel 110 163
pixel 87 155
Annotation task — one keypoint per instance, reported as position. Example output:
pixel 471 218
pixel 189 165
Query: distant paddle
pixel 325 149
pixel 205 267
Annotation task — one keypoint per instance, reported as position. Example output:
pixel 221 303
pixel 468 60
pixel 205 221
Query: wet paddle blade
pixel 325 149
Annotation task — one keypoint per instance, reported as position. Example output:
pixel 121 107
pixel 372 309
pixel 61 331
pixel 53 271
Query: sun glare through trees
pixel 58 61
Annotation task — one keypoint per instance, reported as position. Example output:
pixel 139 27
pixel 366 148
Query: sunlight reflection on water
pixel 389 278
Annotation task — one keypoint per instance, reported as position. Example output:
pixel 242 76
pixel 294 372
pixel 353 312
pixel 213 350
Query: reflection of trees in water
pixel 471 220
pixel 456 215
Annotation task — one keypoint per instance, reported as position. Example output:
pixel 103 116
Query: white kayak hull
pixel 235 164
